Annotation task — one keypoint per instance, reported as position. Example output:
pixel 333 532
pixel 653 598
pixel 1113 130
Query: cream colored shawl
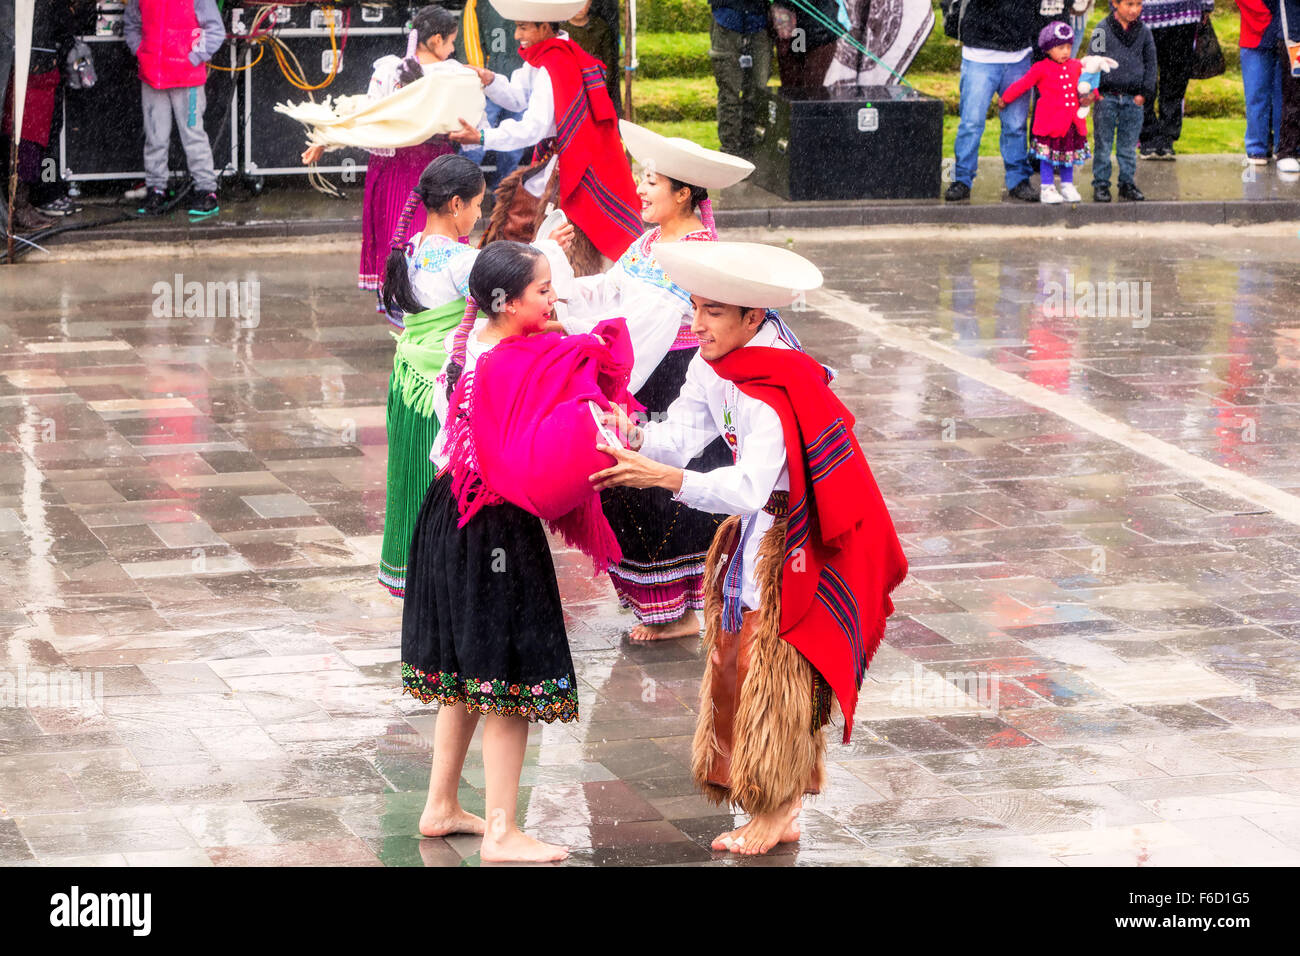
pixel 406 117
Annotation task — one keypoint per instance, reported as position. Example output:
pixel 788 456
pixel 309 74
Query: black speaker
pixel 272 142
pixel 866 142
pixel 103 127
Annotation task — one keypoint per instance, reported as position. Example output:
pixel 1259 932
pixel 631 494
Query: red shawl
pixel 842 555
pixel 520 430
pixel 596 187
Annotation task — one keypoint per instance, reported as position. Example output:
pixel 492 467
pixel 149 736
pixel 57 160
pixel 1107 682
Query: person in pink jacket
pixel 173 40
pixel 1059 134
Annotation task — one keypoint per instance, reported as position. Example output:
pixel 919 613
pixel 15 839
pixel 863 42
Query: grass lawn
pixel 1200 134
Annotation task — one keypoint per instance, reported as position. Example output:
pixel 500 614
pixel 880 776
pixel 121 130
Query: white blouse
pixel 440 266
pixel 638 290
pixel 710 406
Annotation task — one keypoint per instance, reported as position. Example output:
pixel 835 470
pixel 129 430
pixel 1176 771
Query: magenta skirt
pixel 389 181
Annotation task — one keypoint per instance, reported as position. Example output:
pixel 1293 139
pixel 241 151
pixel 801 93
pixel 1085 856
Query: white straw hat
pixel 683 160
pixel 747 274
pixel 538 11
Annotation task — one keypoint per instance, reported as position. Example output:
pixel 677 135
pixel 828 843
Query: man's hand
pixel 635 471
pixel 467 134
pixel 485 76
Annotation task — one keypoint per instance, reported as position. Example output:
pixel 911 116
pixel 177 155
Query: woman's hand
pixel 466 135
pixel 635 471
pixel 563 237
pixel 628 432
pixel 311 154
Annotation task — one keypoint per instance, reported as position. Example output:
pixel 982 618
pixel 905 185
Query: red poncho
pixel 842 554
pixel 596 187
pixel 520 430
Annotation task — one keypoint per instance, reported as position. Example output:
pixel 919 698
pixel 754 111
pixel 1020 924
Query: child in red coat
pixel 1060 135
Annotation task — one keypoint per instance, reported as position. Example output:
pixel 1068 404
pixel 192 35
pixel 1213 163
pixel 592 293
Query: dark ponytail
pixel 503 271
pixel 430 21
pixel 698 193
pixel 446 178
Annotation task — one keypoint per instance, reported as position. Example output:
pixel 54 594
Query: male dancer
pixel 579 163
pixel 799 579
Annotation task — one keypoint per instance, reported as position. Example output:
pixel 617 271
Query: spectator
pixel 591 32
pixel 741 51
pixel 1117 117
pixel 1080 12
pixel 997 39
pixel 805 46
pixel 173 69
pixel 1173 25
pixel 1262 59
pixel 1288 149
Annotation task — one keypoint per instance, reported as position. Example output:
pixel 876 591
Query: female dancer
pixel 391 174
pixel 661 576
pixel 425 284
pixel 482 626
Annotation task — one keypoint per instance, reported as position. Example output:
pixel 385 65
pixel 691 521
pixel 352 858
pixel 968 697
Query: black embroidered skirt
pixel 482 622
pixel 664 542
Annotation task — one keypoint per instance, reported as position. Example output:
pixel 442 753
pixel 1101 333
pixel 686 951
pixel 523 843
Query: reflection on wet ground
pixel 1095 661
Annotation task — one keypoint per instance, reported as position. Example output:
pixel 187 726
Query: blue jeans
pixel 1077 23
pixel 979 82
pixel 1261 76
pixel 1116 120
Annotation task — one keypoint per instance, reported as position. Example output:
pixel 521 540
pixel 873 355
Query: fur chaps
pixel 516 214
pixel 776 754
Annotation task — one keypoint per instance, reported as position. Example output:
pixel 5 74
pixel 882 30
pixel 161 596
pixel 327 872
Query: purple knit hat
pixel 1054 34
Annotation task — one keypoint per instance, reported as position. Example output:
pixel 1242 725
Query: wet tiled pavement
pixel 1096 659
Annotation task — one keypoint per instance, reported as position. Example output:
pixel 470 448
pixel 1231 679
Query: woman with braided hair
pixel 426 280
pixel 391 174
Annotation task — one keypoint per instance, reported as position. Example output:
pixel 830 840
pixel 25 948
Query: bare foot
pixel 761 833
pixel 435 824
pixel 685 626
pixel 519 847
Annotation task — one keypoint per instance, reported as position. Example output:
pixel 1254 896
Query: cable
pixel 838 29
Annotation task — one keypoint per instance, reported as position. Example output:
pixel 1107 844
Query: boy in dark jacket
pixel 1117 118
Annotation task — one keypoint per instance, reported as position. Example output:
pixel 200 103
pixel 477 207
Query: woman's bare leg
pixel 504 741
pixel 442 810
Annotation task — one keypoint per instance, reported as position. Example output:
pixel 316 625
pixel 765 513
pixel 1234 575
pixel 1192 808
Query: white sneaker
pixel 1069 193
pixel 1047 193
pixel 1288 165
pixel 1257 160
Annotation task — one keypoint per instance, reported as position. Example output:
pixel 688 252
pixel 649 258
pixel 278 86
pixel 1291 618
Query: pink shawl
pixel 521 430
